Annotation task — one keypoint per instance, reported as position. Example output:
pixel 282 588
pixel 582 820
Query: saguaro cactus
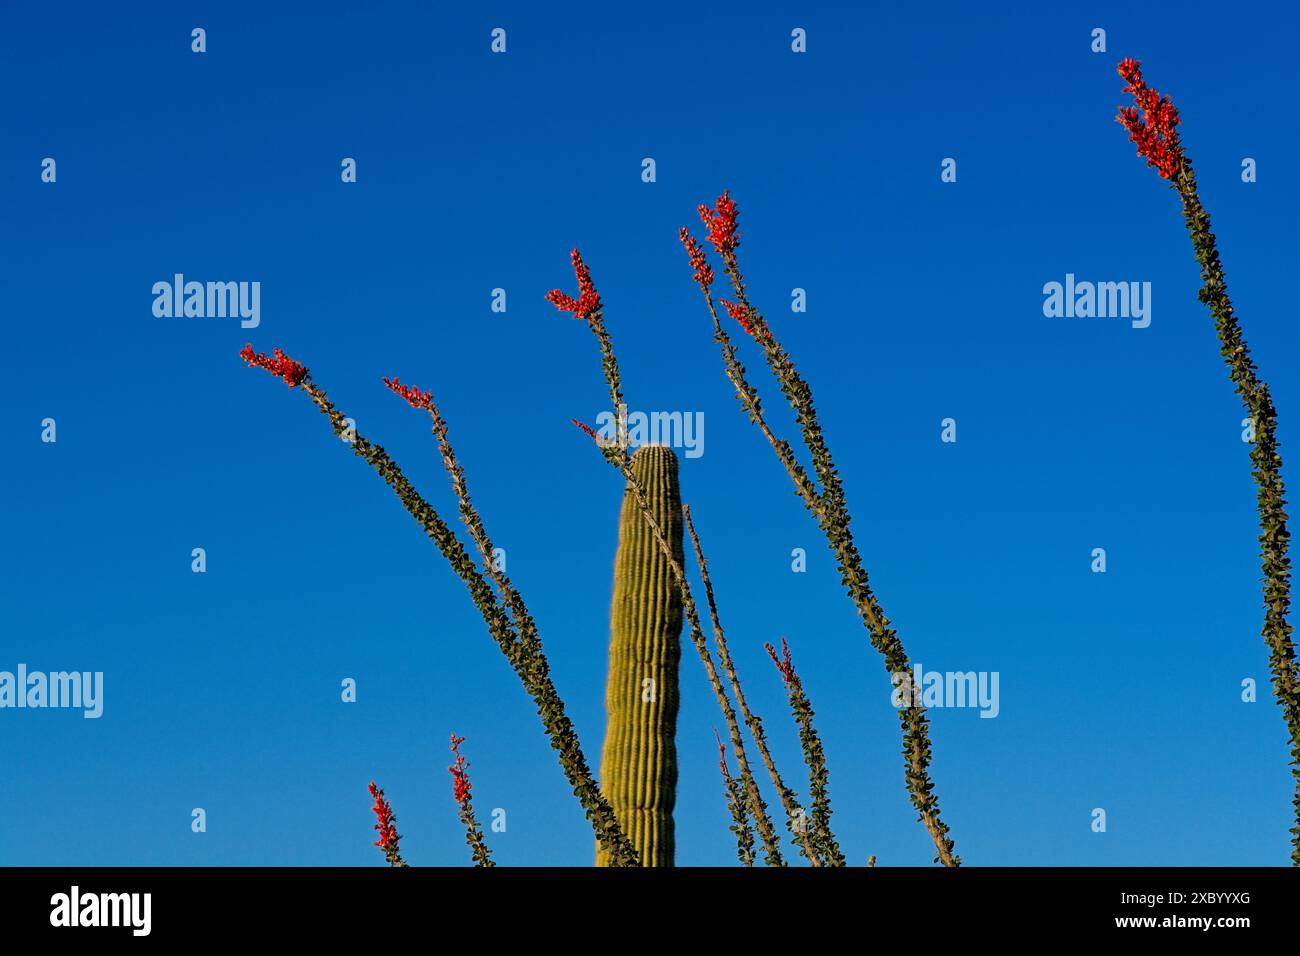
pixel 638 768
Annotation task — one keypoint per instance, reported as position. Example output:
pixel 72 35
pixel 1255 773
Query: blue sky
pixel 477 171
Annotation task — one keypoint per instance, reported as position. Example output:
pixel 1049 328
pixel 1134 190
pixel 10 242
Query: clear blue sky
pixel 1118 690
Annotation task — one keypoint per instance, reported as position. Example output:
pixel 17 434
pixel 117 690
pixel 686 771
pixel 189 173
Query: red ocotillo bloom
pixel 414 397
pixel 699 262
pixel 387 827
pixel 783 663
pixel 1155 129
pixel 588 302
pixel 280 365
pixel 722 223
pixel 589 432
pixel 741 315
pixel 459 777
pixel 460 791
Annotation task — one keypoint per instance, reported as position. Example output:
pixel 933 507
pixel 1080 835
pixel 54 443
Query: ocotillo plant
pixel 589 308
pixel 814 756
pixel 794 815
pixel 460 791
pixel 1153 127
pixel 827 505
pixel 386 826
pixel 517 639
pixel 737 806
pixel 638 768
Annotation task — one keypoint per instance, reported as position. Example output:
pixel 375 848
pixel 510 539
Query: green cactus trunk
pixel 638 768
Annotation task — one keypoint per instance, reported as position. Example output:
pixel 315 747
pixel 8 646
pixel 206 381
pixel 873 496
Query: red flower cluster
pixel 721 221
pixel 703 271
pixel 588 302
pixel 387 825
pixel 784 664
pixel 588 431
pixel 741 315
pixel 1155 129
pixel 280 365
pixel 414 397
pixel 460 779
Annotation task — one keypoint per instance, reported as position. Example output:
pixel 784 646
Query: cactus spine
pixel 638 767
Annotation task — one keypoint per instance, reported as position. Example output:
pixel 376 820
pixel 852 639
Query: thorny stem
pixel 793 811
pixel 752 403
pixel 814 755
pixel 616 454
pixel 1274 537
pixel 1153 128
pixel 831 513
pixel 736 803
pixel 522 619
pixel 527 659
pixel 465 806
